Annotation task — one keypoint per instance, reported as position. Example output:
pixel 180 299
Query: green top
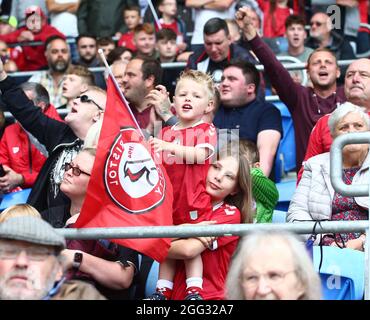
pixel 265 195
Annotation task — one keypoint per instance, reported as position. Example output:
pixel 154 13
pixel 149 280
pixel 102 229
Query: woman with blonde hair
pixel 19 210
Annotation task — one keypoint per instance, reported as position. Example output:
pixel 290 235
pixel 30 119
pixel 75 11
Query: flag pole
pixel 154 14
pixel 102 56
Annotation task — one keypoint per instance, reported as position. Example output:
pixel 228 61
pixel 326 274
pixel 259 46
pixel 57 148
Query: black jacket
pixel 55 135
pixel 340 46
pixel 236 52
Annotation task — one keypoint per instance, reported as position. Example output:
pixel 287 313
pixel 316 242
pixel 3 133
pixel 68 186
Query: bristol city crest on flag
pixel 132 179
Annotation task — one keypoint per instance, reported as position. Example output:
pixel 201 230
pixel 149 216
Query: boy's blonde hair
pixel 19 210
pixel 201 78
pixel 249 149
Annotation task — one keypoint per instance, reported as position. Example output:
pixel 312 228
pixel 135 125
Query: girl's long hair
pixel 243 198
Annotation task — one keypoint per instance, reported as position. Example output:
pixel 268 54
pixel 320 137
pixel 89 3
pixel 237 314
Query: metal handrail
pixel 294 60
pixel 214 230
pixel 336 166
pixel 171 65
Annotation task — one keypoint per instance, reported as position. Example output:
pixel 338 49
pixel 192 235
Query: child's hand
pixel 25 35
pixel 207 241
pixel 159 145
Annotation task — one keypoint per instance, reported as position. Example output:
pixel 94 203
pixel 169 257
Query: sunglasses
pixel 85 99
pixel 316 23
pixel 75 170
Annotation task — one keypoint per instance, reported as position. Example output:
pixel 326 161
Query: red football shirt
pixel 127 40
pixel 215 262
pixel 191 202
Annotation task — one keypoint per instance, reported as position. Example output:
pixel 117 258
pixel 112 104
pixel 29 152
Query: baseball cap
pixel 34 10
pixel 11 20
pixel 31 229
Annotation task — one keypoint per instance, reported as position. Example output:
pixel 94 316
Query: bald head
pixel 320 26
pixel 357 83
pixel 118 69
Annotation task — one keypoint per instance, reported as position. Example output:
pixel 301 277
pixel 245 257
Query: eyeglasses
pixel 316 23
pixel 85 99
pixel 273 278
pixel 34 254
pixel 75 170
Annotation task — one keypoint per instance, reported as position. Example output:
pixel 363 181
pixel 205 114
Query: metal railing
pixel 214 230
pixel 351 190
pixel 243 229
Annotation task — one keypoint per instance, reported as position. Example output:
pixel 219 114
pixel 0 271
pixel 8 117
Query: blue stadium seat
pixel 342 273
pixel 279 216
pixel 286 190
pixel 146 279
pixel 285 157
pixel 151 281
pixel 13 198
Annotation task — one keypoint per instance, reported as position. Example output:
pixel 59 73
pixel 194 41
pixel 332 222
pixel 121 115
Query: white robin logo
pixel 132 178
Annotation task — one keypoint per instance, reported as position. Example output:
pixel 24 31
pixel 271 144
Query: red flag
pixel 128 186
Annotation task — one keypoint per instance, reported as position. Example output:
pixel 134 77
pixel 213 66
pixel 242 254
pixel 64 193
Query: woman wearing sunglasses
pixel 106 265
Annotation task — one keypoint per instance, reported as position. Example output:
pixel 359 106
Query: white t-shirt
pixel 201 16
pixel 65 22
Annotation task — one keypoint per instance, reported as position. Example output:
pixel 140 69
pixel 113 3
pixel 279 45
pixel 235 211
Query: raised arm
pixel 280 78
pixel 45 129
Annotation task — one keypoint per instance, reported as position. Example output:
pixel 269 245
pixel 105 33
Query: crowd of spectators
pixel 59 103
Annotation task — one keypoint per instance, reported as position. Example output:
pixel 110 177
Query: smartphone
pixel 2 171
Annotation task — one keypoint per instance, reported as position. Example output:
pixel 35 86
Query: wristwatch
pixel 77 260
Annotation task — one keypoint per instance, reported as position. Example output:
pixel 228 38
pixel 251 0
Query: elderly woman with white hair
pixel 272 266
pixel 315 199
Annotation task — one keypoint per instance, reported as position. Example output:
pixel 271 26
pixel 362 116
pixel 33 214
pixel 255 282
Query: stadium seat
pixel 151 281
pixel 285 156
pixel 342 272
pixel 279 216
pixel 146 279
pixel 13 198
pixel 286 190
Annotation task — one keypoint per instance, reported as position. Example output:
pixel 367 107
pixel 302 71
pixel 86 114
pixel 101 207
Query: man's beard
pixel 87 60
pixel 35 292
pixel 60 66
